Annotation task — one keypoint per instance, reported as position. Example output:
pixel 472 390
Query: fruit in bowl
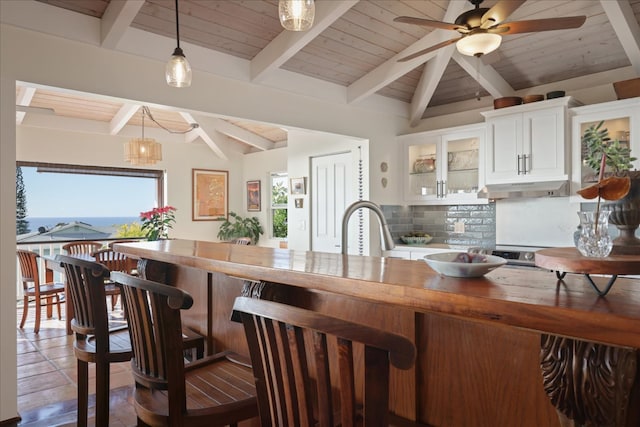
pixel 462 264
pixel 416 238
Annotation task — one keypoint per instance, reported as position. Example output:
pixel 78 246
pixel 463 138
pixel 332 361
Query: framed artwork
pixel 298 186
pixel 210 197
pixel 253 196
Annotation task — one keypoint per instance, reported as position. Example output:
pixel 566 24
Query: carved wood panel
pixel 588 383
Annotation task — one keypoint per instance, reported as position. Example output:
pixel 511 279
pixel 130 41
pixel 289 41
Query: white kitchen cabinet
pixel 443 166
pixel 528 143
pixel 621 119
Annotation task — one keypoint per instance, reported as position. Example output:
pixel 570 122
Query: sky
pixel 72 195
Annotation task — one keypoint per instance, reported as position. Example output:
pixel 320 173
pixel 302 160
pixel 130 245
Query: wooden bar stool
pixel 95 341
pixel 296 352
pixel 215 391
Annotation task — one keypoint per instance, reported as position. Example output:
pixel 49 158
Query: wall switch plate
pixel 458 227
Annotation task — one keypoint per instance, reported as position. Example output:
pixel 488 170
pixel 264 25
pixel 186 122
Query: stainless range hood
pixel 525 190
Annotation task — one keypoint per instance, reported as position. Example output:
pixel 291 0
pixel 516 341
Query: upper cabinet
pixel 529 142
pixel 443 166
pixel 622 120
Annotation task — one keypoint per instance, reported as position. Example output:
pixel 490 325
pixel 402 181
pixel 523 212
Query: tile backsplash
pixel 439 221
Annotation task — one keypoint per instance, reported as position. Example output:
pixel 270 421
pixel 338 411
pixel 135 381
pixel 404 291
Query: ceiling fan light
pixel 478 44
pixel 178 70
pixel 296 15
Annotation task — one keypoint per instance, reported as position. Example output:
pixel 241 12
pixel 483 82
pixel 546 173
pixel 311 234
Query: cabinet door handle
pixel 524 164
pixel 518 163
pixel 444 189
pixel 437 189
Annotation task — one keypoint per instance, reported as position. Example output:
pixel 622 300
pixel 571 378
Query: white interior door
pixel 332 190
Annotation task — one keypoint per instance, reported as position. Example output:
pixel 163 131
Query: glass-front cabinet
pixel 443 166
pixel 621 119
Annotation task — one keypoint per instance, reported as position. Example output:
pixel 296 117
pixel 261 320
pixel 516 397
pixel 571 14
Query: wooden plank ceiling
pixel 356 44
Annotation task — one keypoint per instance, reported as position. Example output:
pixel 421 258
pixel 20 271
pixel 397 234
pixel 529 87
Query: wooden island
pixel 516 347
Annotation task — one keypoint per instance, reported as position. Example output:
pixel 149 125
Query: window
pixel 278 206
pixel 108 200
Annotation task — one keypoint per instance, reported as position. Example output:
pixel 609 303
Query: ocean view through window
pixel 66 202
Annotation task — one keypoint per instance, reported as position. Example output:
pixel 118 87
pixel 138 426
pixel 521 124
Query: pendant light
pixel 178 70
pixel 296 15
pixel 142 151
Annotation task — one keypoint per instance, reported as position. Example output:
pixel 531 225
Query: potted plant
pixel 157 222
pixel 236 226
pixel 600 152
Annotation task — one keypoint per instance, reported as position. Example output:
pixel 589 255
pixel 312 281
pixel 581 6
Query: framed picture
pixel 253 195
pixel 298 186
pixel 210 195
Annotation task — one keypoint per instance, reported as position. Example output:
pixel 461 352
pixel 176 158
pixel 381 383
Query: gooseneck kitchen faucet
pixel 387 240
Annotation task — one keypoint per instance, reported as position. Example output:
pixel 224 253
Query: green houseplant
pixel 236 226
pixel 600 152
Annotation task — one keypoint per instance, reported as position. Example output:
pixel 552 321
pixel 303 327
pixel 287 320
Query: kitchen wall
pixel 439 222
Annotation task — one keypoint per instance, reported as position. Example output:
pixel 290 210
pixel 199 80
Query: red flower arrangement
pixel 157 222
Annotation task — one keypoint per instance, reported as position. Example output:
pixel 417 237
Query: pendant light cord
pixel 145 110
pixel 177 27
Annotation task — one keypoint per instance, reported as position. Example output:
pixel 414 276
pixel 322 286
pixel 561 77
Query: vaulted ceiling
pixel 356 44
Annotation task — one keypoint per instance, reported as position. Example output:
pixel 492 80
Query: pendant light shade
pixel 478 44
pixel 296 15
pixel 142 151
pixel 178 70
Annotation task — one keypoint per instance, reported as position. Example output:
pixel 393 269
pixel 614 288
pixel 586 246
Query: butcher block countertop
pixel 524 298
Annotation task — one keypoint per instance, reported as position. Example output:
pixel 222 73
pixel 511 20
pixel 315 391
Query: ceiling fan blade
pixel 536 25
pixel 429 49
pixel 499 12
pixel 428 23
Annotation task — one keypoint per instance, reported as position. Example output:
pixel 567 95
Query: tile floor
pixel 47 378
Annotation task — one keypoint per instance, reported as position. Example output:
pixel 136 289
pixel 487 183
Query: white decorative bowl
pixel 444 264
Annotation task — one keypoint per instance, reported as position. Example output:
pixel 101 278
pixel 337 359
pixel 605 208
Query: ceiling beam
pixel 196 132
pixel 428 83
pixel 242 135
pixel 391 70
pixel 288 43
pixel 25 95
pixel 626 26
pixel 122 117
pixel 485 75
pixel 116 19
pixel 204 130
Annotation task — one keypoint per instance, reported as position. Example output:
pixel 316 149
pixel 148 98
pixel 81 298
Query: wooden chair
pixel 81 247
pixel 96 341
pixel 34 291
pixel 114 261
pixel 215 391
pixel 290 351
